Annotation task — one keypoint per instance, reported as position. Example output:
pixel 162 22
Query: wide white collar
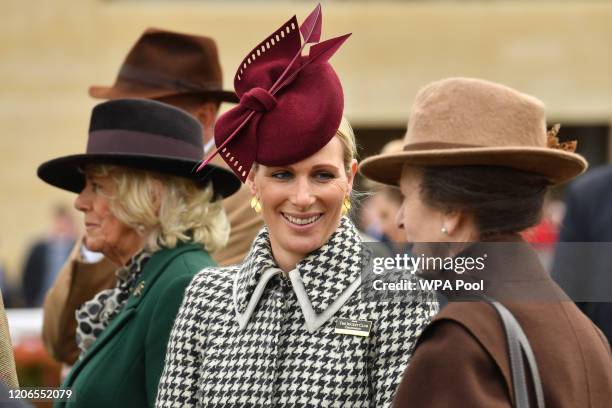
pixel 322 282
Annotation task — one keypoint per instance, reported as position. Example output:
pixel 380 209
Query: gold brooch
pixel 553 140
pixel 138 290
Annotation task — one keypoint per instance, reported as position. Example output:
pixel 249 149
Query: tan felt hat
pixel 466 121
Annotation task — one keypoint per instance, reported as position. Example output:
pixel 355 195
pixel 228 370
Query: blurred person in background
pixel 47 256
pixel 184 71
pixel 271 332
pixel 376 215
pixel 476 165
pixel 8 374
pixel 545 234
pixel 10 294
pixel 151 216
pixel 383 205
pixel 588 218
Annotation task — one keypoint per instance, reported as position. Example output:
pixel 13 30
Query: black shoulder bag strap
pixel 518 346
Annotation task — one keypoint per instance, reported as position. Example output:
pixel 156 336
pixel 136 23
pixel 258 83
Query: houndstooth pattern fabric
pixel 275 360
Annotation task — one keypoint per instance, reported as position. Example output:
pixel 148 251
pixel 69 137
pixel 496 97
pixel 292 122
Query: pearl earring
pixel 444 230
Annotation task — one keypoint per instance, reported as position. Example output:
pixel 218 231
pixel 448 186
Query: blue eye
pixel 281 175
pixel 324 176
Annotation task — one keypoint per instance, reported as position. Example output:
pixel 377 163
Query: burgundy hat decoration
pixel 290 104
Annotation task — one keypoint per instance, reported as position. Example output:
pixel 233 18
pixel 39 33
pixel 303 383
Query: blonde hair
pixel 347 137
pixel 166 208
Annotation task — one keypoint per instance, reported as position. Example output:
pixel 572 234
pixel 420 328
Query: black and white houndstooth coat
pixel 247 337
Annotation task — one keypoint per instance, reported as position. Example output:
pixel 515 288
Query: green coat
pixel 123 366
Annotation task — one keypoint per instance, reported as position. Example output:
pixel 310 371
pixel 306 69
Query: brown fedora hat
pixel 164 63
pixel 466 121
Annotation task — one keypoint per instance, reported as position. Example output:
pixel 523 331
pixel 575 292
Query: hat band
pixel 156 80
pixel 436 145
pixel 109 141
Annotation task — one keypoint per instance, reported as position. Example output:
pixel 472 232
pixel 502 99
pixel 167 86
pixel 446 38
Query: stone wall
pixel 51 51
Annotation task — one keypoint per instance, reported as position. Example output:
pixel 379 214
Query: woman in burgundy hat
pixel 146 210
pixel 288 326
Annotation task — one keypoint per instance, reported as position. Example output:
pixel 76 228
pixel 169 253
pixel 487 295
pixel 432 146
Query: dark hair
pixel 501 199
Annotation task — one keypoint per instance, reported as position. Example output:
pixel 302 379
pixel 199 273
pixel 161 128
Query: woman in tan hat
pixel 475 167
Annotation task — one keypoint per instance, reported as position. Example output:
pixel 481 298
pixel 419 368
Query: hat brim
pixel 557 165
pixel 66 172
pixel 135 91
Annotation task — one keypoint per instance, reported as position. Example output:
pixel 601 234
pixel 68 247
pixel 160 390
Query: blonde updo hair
pixel 347 137
pixel 165 209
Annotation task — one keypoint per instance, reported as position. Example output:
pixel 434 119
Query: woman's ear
pixel 451 221
pixel 351 174
pixel 460 226
pixel 250 181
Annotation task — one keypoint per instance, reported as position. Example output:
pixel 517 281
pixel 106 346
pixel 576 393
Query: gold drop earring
pixel 255 204
pixel 346 205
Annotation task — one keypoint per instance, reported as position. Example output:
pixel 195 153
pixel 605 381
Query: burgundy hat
pixel 164 63
pixel 290 104
pixel 143 134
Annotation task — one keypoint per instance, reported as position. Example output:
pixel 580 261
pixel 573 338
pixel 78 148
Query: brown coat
pixel 462 358
pixel 78 282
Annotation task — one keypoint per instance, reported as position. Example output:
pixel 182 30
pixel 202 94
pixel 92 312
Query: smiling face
pixel 103 231
pixel 302 202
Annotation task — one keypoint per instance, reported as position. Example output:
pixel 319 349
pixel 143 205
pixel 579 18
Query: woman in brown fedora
pixel 146 211
pixel 288 326
pixel 476 165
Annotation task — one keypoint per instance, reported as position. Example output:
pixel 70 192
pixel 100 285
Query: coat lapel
pixel 323 281
pixel 115 325
pixel 151 271
pixel 330 270
pixel 154 268
pixel 250 272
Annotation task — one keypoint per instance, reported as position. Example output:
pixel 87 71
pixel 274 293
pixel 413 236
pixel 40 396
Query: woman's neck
pixel 121 254
pixel 286 261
